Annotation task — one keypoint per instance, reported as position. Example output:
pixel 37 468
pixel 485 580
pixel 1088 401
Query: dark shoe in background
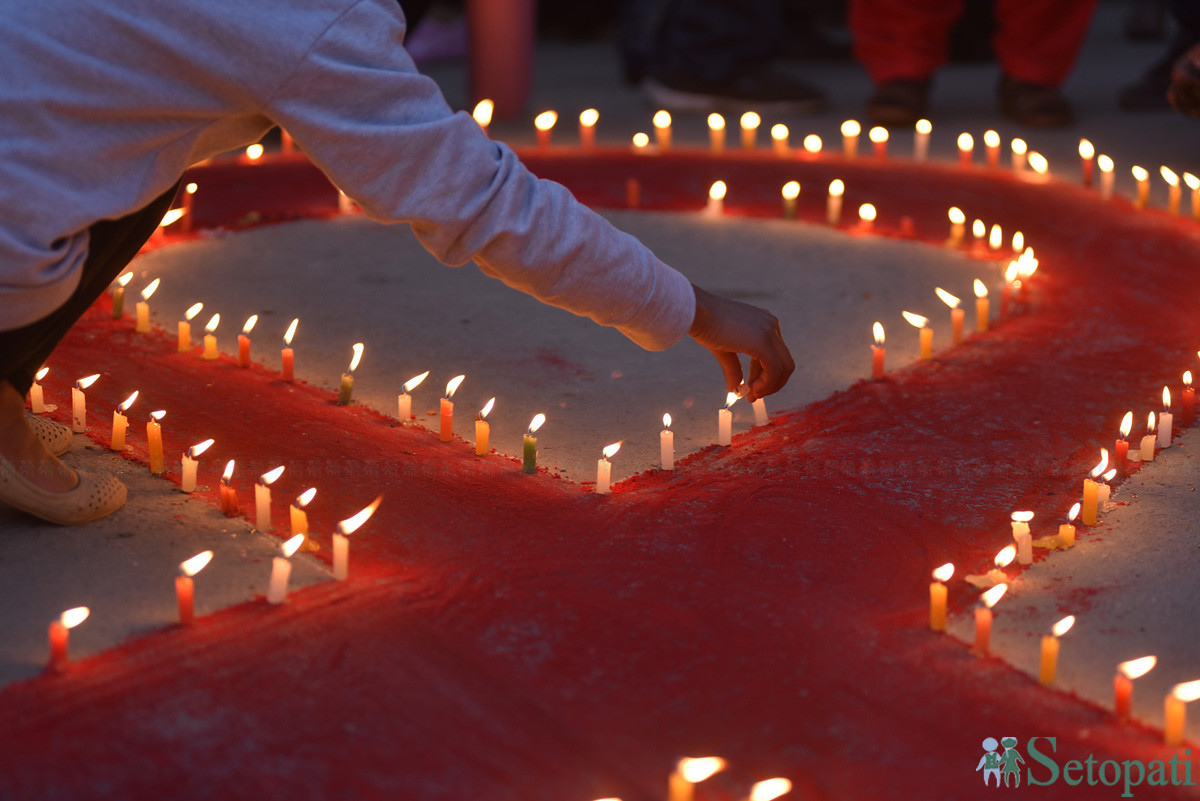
pixel 768 89
pixel 899 102
pixel 1034 105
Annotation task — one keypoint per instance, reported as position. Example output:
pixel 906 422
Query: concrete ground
pixel 597 388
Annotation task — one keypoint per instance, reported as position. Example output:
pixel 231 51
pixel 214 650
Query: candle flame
pixel 730 399
pixel 1136 668
pixel 769 789
pixel 717 191
pixel 611 450
pixel 124 405
pixel 171 216
pixel 697 769
pixel 1012 271
pixel 1004 556
pixel 779 132
pixel 190 567
pixel 271 476
pixel 1086 150
pixel 1063 626
pixel 878 134
pixel 980 289
pixel 946 297
pixel 357 357
pixel 84 383
pixel 924 126
pixel 812 144
pixel 851 128
pixel 641 139
pixel 716 122
pixel 158 415
pixel 250 323
pixel 791 190
pixel 305 498
pixel 589 117
pixel 1169 176
pixel 212 324
pixel 200 448
pixel 254 152
pixel 662 119
pixel 1074 513
pixel 750 120
pixel 1192 181
pixel 1126 425
pixel 487 408
pixel 944 572
pixel 192 311
pixel 191 188
pixel 291 332
pixel 993 595
pixel 978 229
pixel 956 215
pixel 667 420
pixel 46 371
pixel 1187 377
pixel 1112 472
pixel 291 546
pixel 1022 517
pixel 483 112
pixel 149 290
pixel 991 139
pixel 354 523
pixel 877 330
pixel 1150 423
pixel 1105 163
pixel 996 237
pixel 1166 396
pixel 415 381
pixel 866 212
pixel 73 617
pixel 1102 465
pixel 545 121
pixel 1187 692
pixel 228 474
pixel 1038 163
pixel 1140 174
pixel 965 141
pixel 915 320
pixel 536 423
pixel 453 384
pixel 1018 242
pixel 125 279
pixel 1018 146
pixel 836 187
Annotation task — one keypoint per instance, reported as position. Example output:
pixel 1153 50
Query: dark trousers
pixel 711 41
pixel 112 244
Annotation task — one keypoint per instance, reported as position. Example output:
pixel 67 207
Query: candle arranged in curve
pixel 812 145
pixel 37 398
pixel 1166 420
pixel 981 306
pixel 347 387
pixel 689 772
pixel 666 444
pixel 779 140
pixel 60 636
pixel 587 128
pixel 188 222
pixel 262 499
pixel 716 199
pixel 529 453
pixel 958 223
pixel 1090 491
pixel 924 331
pixel 244 341
pixel 921 131
pixel 1127 673
pixel 1193 183
pixel 1049 661
pixel 404 400
pixel 79 403
pixel 978 231
pixel 341 539
pixel 1187 401
pixel 716 132
pixel 1022 538
pixel 966 149
pixel 790 192
pixel 121 423
pixel 1121 448
pixel 937 597
pixel 281 570
pixel 1143 186
pixel 983 618
pixel 1103 489
pixel 1066 531
pixel 866 217
pixel 287 356
pixel 210 338
pixel 190 464
pixel 725 420
pixel 749 123
pixel 154 442
pixel 996 575
pixel 641 146
pixel 1019 149
pixel 184 344
pixel 1038 163
pixel 995 237
pixel 142 326
pixel 1173 189
pixel 833 204
pixel 447 408
pixel 850 131
pixel 1146 451
pixel 483 429
pixel 991 143
pixel 1175 711
pixel 482 113
pixel 956 314
pixel 185 588
pixel 544 123
pixel 662 129
pixel 878 351
pixel 298 516
pixel 879 141
pixel 769 789
pixel 118 296
pixel 604 468
pixel 228 495
pixel 1086 160
pixel 1105 163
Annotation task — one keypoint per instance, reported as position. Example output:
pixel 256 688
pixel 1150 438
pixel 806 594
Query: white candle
pixel 1024 541
pixel 79 403
pixel 188 482
pixel 1165 420
pixel 1148 441
pixel 921 140
pixel 281 570
pixel 341 540
pixel 750 122
pixel 850 131
pixel 666 444
pixel 1106 176
pixel 662 129
pixel 262 498
pixel 143 307
pixel 1019 148
pixel 716 132
pixel 833 206
pixel 404 401
pixel 1104 490
pixel 725 421
pixel 37 401
pixel 716 199
pixel 779 140
pixel 760 412
pixel 604 469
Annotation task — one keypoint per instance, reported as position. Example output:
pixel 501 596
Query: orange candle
pixel 1049 662
pixel 587 128
pixel 877 352
pixel 937 597
pixel 1127 672
pixel 662 129
pixel 121 423
pixel 750 122
pixel 298 517
pixel 483 429
pixel 879 140
pixel 981 306
pixel 447 408
pixel 991 141
pixel 1087 162
pixel 142 324
pixel 1175 711
pixel 228 495
pixel 956 314
pixel 1121 449
pixel 154 441
pixel 244 341
pixel 184 589
pixel 210 339
pixel 287 355
pixel 966 149
pixel 850 131
pixel 779 140
pixel 1143 186
pixel 716 132
pixel 926 333
pixel 189 206
pixel 544 123
pixel 60 636
pixel 983 618
pixel 185 328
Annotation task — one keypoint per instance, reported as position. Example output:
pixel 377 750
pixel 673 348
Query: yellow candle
pixel 447 409
pixel 298 514
pixel 716 132
pixel 1149 441
pixel 926 333
pixel 1143 186
pixel 1049 663
pixel 482 429
pixel 347 387
pixel 779 140
pixel 750 122
pixel 1173 189
pixel 587 128
pixel 185 328
pixel 210 338
pixel 154 441
pixel 1193 183
pixel 79 403
pixel 662 129
pixel 956 314
pixel 143 307
pixel 937 597
pixel 121 423
pixel 1175 711
pixel 981 306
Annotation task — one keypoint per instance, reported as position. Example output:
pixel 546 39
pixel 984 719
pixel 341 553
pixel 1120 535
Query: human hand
pixel 728 327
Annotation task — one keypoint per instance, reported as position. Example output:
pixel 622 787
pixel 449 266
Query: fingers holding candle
pixel 728 327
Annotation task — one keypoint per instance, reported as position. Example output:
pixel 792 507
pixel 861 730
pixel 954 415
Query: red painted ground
pixel 506 636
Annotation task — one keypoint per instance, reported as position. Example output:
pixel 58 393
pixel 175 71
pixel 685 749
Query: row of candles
pixel 1096 493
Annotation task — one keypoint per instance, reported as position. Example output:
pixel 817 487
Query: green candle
pixel 530 462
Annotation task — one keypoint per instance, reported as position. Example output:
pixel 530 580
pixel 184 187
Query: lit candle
pixel 253 153
pixel 1022 538
pixel 185 328
pixel 812 145
pixel 725 420
pixel 1147 447
pixel 347 388
pixel 118 296
pixel 121 423
pixel 833 205
pixel 244 341
pixel 1003 558
pixel 37 398
pixel 189 204
pixel 1066 531
pixel 1049 664
pixel 1188 401
pixel 995 237
pixel 1175 711
pixel 937 597
pixel 170 218
pixel 287 355
pixel 587 128
pixel 228 495
pixel 482 429
pixel 60 636
pixel 1143 186
pixel 341 540
pixel 956 314
pixel 866 217
pixel 966 149
pixel 978 231
pixel 1038 163
pixel 1103 490
pixel 185 590
pixel 925 332
pixel 779 140
pixel 1019 149
pixel 716 199
pixel 482 114
pixel 991 141
pixel 281 570
pixel 154 443
pixel 262 499
pixel 769 789
pixel 1166 420
pixel 544 123
pixel 529 462
pixel 1018 242
pixel 1127 672
pixel 1091 504
pixel 878 351
pixel 689 772
pixel 958 223
pixel 1193 183
pixel 790 191
pixel 666 444
pixel 879 140
pixel 1105 163
pixel 447 408
pixel 1086 162
pixel 921 139
pixel 850 131
pixel 210 338
pixel 750 122
pixel 981 306
pixel 142 326
pixel 662 129
pixel 298 517
pixel 404 401
pixel 983 618
pixel 716 132
pixel 345 204
pixel 1010 283
pixel 79 403
pixel 760 412
pixel 604 468
pixel 1173 189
